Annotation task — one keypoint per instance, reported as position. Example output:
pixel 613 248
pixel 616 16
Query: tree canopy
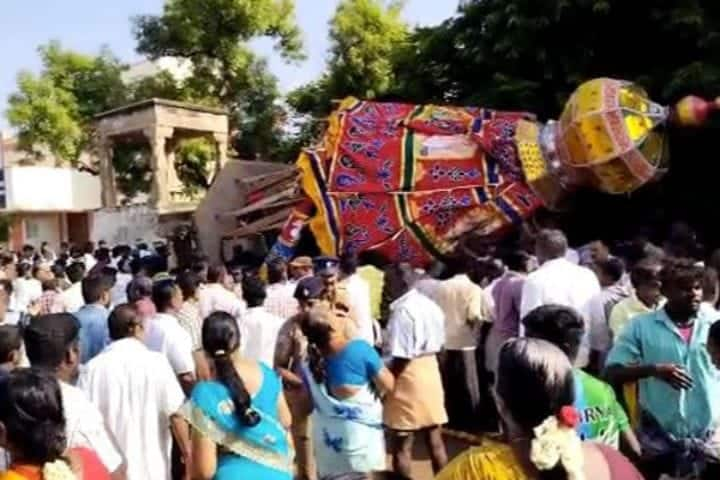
pixel 365 37
pixel 54 109
pixel 515 54
pixel 214 35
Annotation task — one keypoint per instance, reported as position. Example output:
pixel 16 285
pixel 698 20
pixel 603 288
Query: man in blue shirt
pixel 93 316
pixel 679 386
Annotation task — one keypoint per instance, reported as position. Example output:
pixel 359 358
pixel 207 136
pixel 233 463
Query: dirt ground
pixel 422 468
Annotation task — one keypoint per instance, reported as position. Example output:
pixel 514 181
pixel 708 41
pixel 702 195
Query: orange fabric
pixel 22 472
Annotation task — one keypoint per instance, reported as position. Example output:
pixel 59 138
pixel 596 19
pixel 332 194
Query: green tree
pixel 54 109
pixel 214 35
pixel 366 37
pixel 516 54
pixel 45 116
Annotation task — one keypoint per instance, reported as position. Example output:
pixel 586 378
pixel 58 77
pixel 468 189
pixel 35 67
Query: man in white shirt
pixel 52 343
pixel 561 282
pixel 280 299
pixel 415 335
pixel 27 289
pixel 137 392
pixel 258 328
pixel 359 295
pixel 71 300
pixel 216 297
pixel 166 335
pixel 466 308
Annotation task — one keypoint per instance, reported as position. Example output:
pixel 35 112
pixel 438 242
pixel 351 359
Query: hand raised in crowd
pixel 674 375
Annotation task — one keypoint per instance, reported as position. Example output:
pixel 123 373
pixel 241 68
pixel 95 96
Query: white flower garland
pixel 555 443
pixel 58 470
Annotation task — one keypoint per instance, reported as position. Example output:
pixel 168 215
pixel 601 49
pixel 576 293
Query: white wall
pixel 124 225
pixel 49 189
pixel 42 227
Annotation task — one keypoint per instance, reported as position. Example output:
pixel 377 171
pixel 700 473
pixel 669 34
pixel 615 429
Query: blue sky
pixel 86 25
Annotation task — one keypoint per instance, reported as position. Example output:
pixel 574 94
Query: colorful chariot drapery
pixel 409 181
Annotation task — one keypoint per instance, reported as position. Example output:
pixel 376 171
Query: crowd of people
pixel 595 363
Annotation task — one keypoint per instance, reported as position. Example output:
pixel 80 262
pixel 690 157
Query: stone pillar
pixel 107 173
pixel 221 146
pixel 160 192
pixel 174 185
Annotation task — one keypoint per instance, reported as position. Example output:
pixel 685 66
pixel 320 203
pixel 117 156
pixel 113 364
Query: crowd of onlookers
pixel 589 363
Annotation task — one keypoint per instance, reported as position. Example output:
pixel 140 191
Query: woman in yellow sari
pixel 534 393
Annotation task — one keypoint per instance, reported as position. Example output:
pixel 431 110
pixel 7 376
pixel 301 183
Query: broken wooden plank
pixel 260 204
pixel 278 217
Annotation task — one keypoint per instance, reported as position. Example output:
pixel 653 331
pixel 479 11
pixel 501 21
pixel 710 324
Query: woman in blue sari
pixel 240 420
pixel 344 378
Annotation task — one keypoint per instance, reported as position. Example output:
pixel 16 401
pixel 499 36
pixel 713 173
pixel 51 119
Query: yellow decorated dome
pixel 609 130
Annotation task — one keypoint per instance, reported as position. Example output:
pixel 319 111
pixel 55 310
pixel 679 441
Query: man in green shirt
pixel 602 419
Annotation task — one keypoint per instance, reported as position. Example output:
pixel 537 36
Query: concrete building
pixel 43 201
pixel 179 68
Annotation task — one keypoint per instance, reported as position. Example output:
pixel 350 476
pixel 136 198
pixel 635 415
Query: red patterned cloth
pixel 409 181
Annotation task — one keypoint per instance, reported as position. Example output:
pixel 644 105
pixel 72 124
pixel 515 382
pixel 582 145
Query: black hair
pixel 33 416
pixel 93 288
pixel 710 283
pixel 200 266
pixel 10 341
pixel 48 338
pixel 58 269
pixel 89 247
pixel 253 291
pixel 124 265
pixel 348 263
pixel 613 268
pixel 534 382
pixel 64 245
pixel 7 286
pixel 372 257
pixel 318 332
pixel 189 282
pixel 49 285
pixel 515 259
pixel 153 264
pixel 645 271
pixel 118 251
pixel 559 325
pixel 139 288
pixel 136 266
pixel 28 248
pixel 102 254
pixel 215 273
pixel 276 271
pixel 162 294
pixel 122 321
pixel 714 334
pixel 109 274
pixel 23 268
pixel 680 270
pixel 220 339
pixel 75 272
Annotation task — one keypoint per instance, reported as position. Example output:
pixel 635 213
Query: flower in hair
pixel 557 443
pixel 58 470
pixel 569 416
